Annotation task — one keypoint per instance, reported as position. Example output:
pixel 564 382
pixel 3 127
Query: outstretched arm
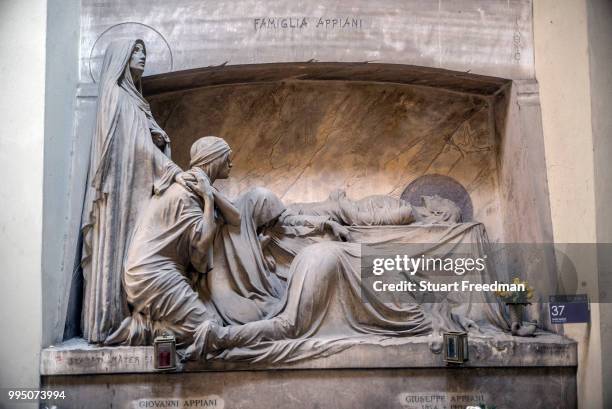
pixel 319 224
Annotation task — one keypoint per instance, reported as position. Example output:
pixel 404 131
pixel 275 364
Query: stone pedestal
pixel 442 388
pixel 507 372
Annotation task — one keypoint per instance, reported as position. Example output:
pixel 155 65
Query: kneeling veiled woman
pixel 174 234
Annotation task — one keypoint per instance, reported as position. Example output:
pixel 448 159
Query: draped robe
pixel 125 169
pixel 241 284
pixel 162 261
pixel 326 309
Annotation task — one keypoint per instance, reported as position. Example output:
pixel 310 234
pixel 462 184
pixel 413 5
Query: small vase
pixel 516 313
pixel 516 310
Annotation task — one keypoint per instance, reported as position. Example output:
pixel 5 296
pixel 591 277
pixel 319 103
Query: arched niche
pixel 304 129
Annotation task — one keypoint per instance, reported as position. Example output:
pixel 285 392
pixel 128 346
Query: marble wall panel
pixel 492 37
pixel 448 388
pixel 302 139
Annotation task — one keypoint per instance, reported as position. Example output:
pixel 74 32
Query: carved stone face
pixel 138 59
pixel 226 167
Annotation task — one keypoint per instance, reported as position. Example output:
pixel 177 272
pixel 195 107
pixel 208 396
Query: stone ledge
pixel 401 388
pixel 76 357
pixel 455 81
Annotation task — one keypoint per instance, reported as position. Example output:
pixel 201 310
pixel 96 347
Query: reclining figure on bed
pixel 375 210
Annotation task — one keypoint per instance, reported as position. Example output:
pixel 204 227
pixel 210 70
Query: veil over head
pixel 207 149
pixel 114 78
pixel 262 204
pixel 204 154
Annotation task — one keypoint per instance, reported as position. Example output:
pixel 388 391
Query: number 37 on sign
pixel 568 309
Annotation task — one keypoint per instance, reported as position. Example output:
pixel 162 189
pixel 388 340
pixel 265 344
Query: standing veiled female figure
pixel 129 162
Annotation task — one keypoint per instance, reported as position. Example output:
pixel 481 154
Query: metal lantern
pixel 164 352
pixel 455 347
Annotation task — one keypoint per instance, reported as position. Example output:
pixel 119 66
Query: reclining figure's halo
pixel 443 186
pixel 159 52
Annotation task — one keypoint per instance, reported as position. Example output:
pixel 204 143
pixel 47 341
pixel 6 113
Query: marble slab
pixel 76 357
pixel 425 388
pixel 490 37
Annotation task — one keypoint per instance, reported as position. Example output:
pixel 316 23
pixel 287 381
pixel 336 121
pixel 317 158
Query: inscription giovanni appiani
pixel 212 402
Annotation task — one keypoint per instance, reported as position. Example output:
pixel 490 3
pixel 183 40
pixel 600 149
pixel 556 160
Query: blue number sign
pixel 568 309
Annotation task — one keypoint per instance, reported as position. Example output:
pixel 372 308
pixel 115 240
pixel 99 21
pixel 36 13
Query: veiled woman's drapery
pixel 125 168
pixel 241 284
pixel 325 308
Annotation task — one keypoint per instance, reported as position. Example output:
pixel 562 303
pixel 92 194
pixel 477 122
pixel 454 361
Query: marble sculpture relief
pixel 250 279
pixel 130 159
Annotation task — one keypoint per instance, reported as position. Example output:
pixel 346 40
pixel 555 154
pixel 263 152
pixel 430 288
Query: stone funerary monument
pixel 233 171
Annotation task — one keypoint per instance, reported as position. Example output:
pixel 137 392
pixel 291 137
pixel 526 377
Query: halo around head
pixel 159 52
